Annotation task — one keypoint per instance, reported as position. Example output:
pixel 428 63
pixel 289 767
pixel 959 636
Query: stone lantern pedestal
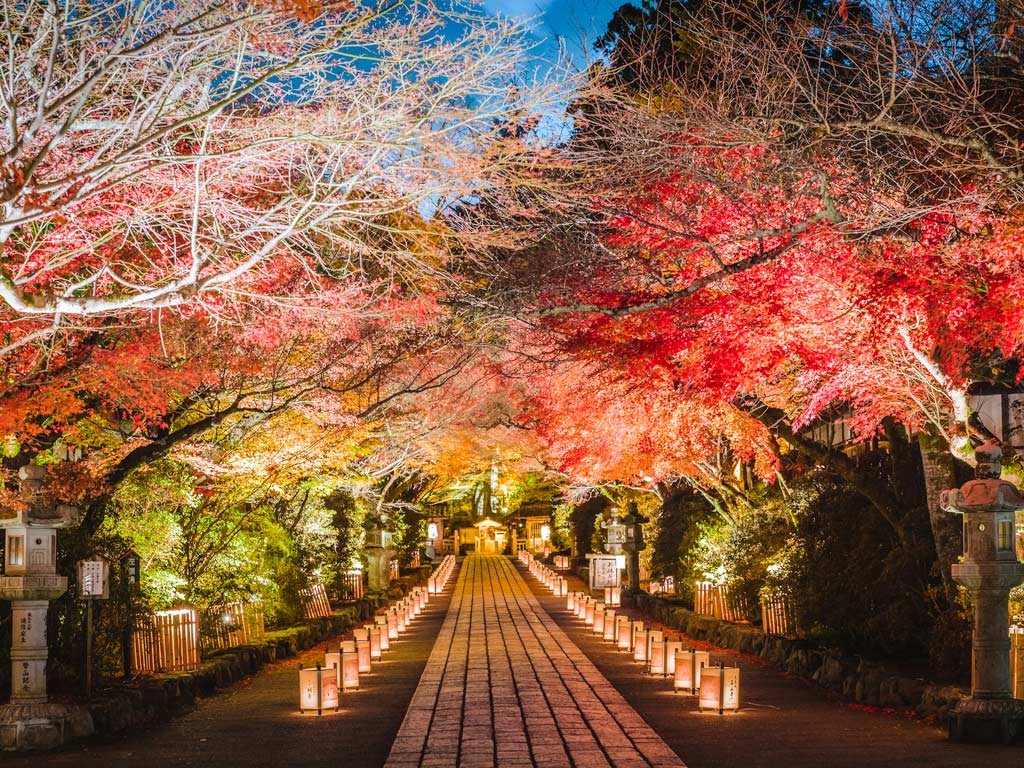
pixel 989 570
pixel 30 582
pixel 378 554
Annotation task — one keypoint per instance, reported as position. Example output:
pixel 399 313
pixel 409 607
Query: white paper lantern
pixel 609 625
pixel 318 689
pixel 623 633
pixel 373 632
pixel 689 666
pixel 598 628
pixel 672 647
pixel 363 655
pixel 613 595
pixel 719 689
pixel 640 645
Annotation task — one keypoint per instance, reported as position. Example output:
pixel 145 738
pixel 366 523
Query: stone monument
pixel 633 546
pixel 604 569
pixel 989 570
pixel 30 582
pixel 615 533
pixel 378 552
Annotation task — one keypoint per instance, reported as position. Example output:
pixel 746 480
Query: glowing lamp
pixel 623 633
pixel 385 636
pixel 672 647
pixel 570 601
pixel 410 610
pixel 581 607
pixel 609 625
pixel 613 595
pixel 636 628
pixel 373 632
pixel 620 561
pixel 545 533
pixel 588 617
pixel 563 587
pixel 719 689
pixel 655 638
pixel 640 645
pixel 318 689
pixel 363 656
pixel 349 671
pixel 361 633
pixel 432 585
pixel 399 618
pixel 656 657
pixel 431 530
pixel 599 620
pixel 689 668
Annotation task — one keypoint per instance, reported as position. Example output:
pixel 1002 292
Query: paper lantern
pixel 609 625
pixel 599 621
pixel 672 647
pixel 640 645
pixel 656 657
pixel 373 632
pixel 689 666
pixel 635 629
pixel 613 595
pixel 623 633
pixel 399 618
pixel 385 636
pixel 588 617
pixel 654 636
pixel 392 624
pixel 361 633
pixel 570 601
pixel 318 689
pixel 349 671
pixel 581 607
pixel 719 689
pixel 432 585
pixel 363 655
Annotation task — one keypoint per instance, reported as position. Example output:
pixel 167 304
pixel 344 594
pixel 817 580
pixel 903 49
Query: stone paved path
pixel 505 687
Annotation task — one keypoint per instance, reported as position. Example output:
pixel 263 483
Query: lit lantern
pixel 361 633
pixel 432 585
pixel 563 587
pixel 719 688
pixel 363 655
pixel 318 689
pixel 654 636
pixel 613 595
pixel 636 628
pixel 599 620
pixel 410 610
pixel 581 606
pixel 672 647
pixel 399 619
pixel 609 625
pixel 349 670
pixel 373 632
pixel 656 657
pixel 570 601
pixel 588 617
pixel 623 633
pixel 385 633
pixel 689 666
pixel 640 645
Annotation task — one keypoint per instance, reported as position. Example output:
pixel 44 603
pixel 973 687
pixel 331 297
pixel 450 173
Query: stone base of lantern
pixel 987 721
pixel 37 727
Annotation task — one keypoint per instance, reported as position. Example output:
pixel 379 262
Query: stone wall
pixel 857 680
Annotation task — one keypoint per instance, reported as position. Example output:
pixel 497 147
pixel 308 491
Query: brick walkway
pixel 505 687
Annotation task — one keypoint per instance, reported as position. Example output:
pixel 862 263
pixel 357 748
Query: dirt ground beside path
pixel 784 721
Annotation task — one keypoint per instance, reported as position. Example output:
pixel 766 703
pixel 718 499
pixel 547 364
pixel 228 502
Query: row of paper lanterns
pixel 717 687
pixel 320 687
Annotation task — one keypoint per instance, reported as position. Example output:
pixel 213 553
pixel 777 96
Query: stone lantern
pixel 633 546
pixel 989 570
pixel 615 533
pixel 378 552
pixel 30 582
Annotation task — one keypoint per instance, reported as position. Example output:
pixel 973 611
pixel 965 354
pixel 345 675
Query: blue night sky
pixel 577 22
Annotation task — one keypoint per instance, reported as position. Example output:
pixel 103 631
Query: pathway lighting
pixel 689 665
pixel 719 689
pixel 318 689
pixel 599 620
pixel 373 632
pixel 613 595
pixel 640 645
pixel 672 647
pixel 609 624
pixel 623 633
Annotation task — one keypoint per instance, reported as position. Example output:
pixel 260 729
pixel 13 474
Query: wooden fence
pixel 167 641
pixel 777 614
pixel 720 601
pixel 315 604
pixel 238 623
pixel 352 585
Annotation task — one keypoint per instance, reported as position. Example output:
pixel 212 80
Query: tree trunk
pixel 947 527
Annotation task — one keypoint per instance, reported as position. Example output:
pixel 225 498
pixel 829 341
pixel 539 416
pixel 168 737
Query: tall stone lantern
pixel 989 570
pixel 633 546
pixel 378 552
pixel 30 582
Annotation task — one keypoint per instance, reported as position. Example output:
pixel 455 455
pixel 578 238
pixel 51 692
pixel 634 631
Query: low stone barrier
pixel 858 680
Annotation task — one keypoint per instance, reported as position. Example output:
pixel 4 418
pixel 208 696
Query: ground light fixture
pixel 688 669
pixel 672 647
pixel 318 689
pixel 719 689
pixel 613 596
pixel 623 633
pixel 609 625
